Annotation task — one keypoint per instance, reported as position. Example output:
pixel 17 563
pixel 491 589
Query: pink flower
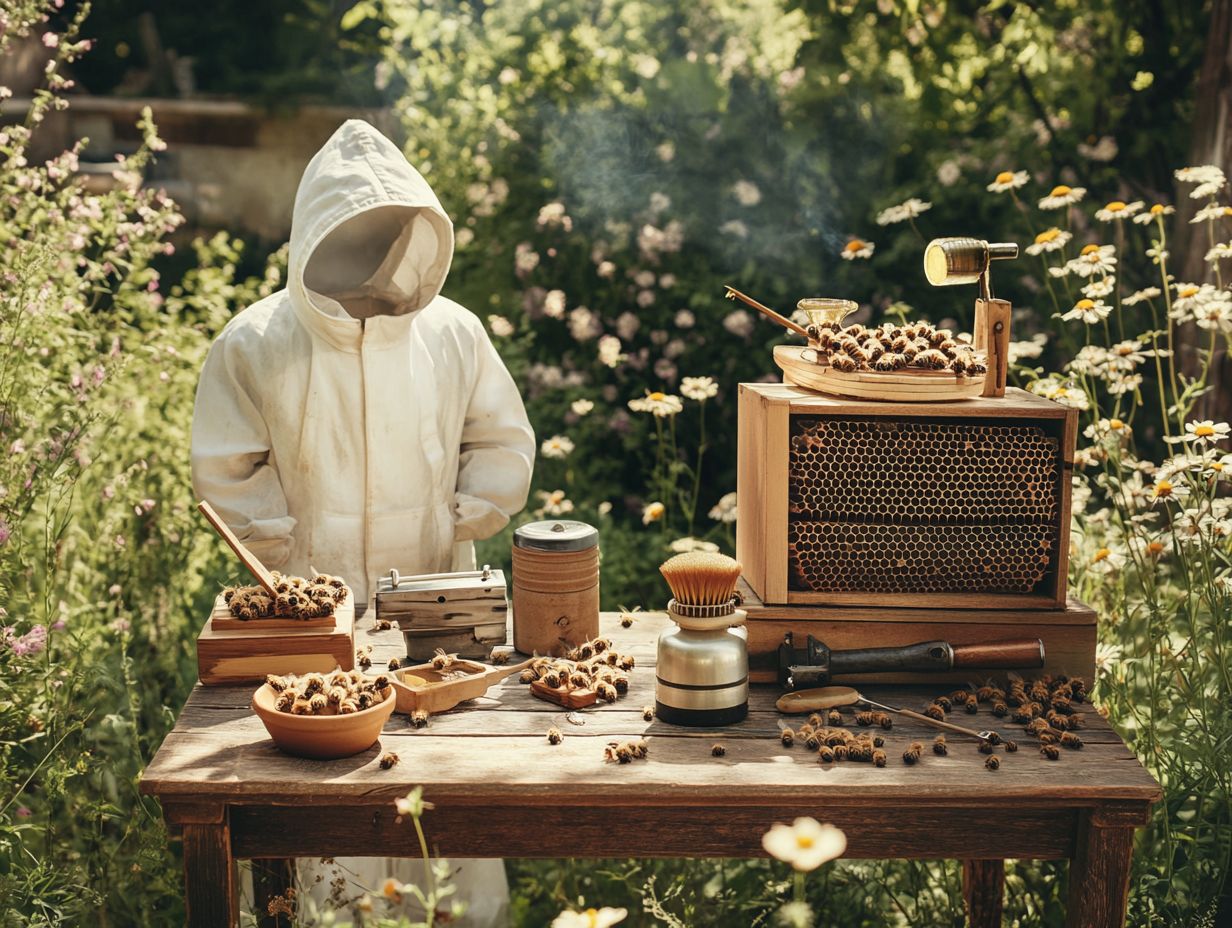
pixel 23 812
pixel 5 532
pixel 32 642
pixel 50 39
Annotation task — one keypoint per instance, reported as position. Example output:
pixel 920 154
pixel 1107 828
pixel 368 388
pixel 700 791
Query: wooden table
pixel 497 784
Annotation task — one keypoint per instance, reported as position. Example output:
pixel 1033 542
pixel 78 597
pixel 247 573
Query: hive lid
pixel 556 535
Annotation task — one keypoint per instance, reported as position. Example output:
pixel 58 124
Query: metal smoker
pixel 952 261
pixel 703 666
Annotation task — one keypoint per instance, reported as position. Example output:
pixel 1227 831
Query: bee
pixel 1000 709
pixel 1075 721
pixel 861 751
pixel 993 763
pixel 1063 705
pixel 788 737
pixel 1022 715
pixel 815 720
pixel 285 701
pixel 1011 747
pixel 930 359
pixel 841 751
pixel 855 330
pixel 337 693
pixel 835 738
pixel 554 735
pixel 873 348
pixel 959 696
pixel 552 678
pixel 648 713
pixel 938 337
pixel 1058 721
pixel 363 659
pixel 578 680
pixel 835 718
pixel 441 660
pixel 935 712
pixel 986 747
pixel 825 754
pixel 1078 689
pixel 1071 741
pixel 944 703
pixel 621 753
pixel 347 706
pixel 313 683
pixel 389 760
pixel 1050 752
pixel 879 758
pixel 611 658
pixel 1037 726
pixel 275 683
pixel 899 343
pixel 865 718
pixel 805 730
pixel 972 705
pixel 884 720
pixel 1039 691
pixel 528 676
pixel 626 621
pixel 394 663
pixel 993 738
pixel 419 718
pixel 912 754
pixel 892 361
pixel 843 362
pixel 301 707
pixel 878 741
pixel 363 699
pixel 1048 737
pixel 812 741
pixel 988 693
pixel 976 368
pixel 639 748
pixel 717 750
pixel 607 692
pixel 940 747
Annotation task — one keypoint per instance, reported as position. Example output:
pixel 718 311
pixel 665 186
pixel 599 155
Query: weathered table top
pixel 493 751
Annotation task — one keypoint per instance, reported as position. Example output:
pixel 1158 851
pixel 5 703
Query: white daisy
pixel 1167 490
pixel 1156 210
pixel 725 509
pixel 553 504
pixel 591 918
pixel 908 209
pixel 857 248
pixel 1049 240
pixel 1099 288
pixel 806 844
pixel 653 512
pixel 658 404
pixel 1023 351
pixel 1119 383
pixel 1062 195
pixel 1106 561
pixel 1060 391
pixel 1092 259
pixel 500 326
pixel 582 407
pixel 1189 297
pixel 699 388
pixel 1008 180
pixel 1214 314
pixel 1088 311
pixel 1212 211
pixel 558 446
pixel 1219 252
pixel 1208 178
pixel 1118 210
pixel 689 543
pixel 1148 293
pixel 1201 431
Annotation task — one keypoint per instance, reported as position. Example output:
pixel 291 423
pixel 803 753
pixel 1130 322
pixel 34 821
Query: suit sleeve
pixel 497 450
pixel 231 466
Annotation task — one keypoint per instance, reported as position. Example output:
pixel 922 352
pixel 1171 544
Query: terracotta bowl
pixel 324 737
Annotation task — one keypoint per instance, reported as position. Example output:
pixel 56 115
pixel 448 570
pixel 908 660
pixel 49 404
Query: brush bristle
pixel 699 578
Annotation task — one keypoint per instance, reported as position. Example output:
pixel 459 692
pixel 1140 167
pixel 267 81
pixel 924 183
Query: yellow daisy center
pixel 1060 191
pixel 1101 554
pixel 1116 424
pixel 1085 304
pixel 1163 488
pixel 854 245
pixel 1217 466
pixel 1204 431
pixel 1089 249
pixel 804 841
pixel 1155 547
pixel 1115 206
pixel 1005 177
pixel 1157 209
pixel 657 397
pixel 1048 235
pixel 1186 292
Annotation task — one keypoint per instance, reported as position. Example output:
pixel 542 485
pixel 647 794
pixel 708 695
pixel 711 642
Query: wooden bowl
pixel 323 737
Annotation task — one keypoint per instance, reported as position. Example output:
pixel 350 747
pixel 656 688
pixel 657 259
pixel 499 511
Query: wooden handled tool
pixel 734 294
pixel 246 557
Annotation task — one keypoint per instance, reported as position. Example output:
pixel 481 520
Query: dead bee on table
pixel 626 621
pixel 648 713
pixel 986 747
pixel 441 660
pixel 943 703
pixel 834 718
pixel 1000 709
pixel 884 719
pixel 813 741
pixel 1011 747
pixel 993 763
pixel 787 737
pixel 972 705
pixel 419 718
pixel 940 747
pixel 825 754
pixel 554 735
pixel 389 760
pixel 384 625
pixel 912 754
pixel 865 718
pixel 394 663
pixel 1050 752
pixel 878 741
pixel 935 712
pixel 717 750
pixel 496 658
pixel 1071 741
pixel 879 758
pixel 607 692
pixel 841 751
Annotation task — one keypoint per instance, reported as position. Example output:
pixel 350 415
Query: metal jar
pixel 702 670
pixel 555 586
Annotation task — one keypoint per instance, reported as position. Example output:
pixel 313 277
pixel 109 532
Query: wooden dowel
pixel 766 311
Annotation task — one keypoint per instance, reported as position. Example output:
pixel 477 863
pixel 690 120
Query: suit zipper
pixel 365 515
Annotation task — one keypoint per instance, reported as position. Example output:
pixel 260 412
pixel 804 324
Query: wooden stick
pixel 733 293
pixel 246 557
pixel 920 717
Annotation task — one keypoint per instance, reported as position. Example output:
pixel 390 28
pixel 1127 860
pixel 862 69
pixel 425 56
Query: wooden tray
pixel 800 367
pixel 221 620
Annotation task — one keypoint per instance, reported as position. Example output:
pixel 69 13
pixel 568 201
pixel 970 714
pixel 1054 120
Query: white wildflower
pixel 558 446
pixel 1062 195
pixel 1008 180
pixel 1118 210
pixel 904 211
pixel 725 509
pixel 1053 239
pixel 857 248
pixel 500 326
pixel 699 388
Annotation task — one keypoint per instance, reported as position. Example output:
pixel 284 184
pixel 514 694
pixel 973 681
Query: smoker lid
pixel 556 535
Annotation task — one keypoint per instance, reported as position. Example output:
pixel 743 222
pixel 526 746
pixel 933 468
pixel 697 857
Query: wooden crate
pixel 246 654
pixel 1068 635
pixel 960 505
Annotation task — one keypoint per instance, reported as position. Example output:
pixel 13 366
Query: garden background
pixel 609 165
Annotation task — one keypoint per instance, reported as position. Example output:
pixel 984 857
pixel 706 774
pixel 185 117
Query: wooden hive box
pixel 1069 635
pixel 244 652
pixel 955 505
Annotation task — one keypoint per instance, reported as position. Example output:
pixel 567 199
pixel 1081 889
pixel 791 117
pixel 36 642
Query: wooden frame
pixel 763 436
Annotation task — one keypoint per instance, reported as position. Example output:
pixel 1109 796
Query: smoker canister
pixel 555 586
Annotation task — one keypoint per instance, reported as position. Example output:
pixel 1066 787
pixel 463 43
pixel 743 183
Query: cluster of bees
pixel 625 752
pixel 591 665
pixel 1044 707
pixel 294 598
pixel 339 693
pixel 890 347
pixel 832 742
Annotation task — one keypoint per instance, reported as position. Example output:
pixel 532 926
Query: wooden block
pixel 569 698
pixel 222 620
pixel 226 656
pixel 1069 635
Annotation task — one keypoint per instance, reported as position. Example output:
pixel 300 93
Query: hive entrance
pixel 920 506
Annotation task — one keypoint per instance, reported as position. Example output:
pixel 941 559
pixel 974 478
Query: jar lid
pixel 556 535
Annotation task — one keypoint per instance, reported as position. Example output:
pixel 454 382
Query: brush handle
pixel 948 726
pixel 246 557
pixel 1000 655
pixel 499 673
pixel 767 312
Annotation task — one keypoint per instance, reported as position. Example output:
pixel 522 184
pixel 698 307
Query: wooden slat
pixel 751 487
pixel 1016 404
pixel 568 829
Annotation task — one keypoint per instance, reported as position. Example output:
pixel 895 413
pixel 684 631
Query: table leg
pixel 211 890
pixel 271 878
pixel 1099 875
pixel 983 890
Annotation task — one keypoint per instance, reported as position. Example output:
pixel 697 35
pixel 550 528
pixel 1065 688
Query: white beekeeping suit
pixel 358 420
